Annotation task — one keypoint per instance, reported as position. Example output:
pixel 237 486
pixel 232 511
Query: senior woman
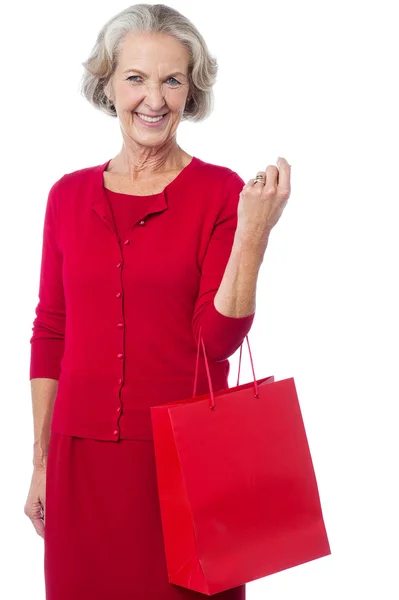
pixel 138 254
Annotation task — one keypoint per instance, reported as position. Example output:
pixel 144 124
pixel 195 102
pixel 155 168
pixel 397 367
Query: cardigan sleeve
pixel 222 335
pixel 47 341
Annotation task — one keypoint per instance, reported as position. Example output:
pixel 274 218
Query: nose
pixel 154 97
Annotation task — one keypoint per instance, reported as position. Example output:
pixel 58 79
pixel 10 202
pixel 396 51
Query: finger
pixel 271 176
pixel 260 183
pixel 250 182
pixel 284 176
pixel 38 525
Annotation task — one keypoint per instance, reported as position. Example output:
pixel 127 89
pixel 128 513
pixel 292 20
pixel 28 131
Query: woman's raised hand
pixel 262 203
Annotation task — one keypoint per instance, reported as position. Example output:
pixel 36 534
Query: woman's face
pixel 151 79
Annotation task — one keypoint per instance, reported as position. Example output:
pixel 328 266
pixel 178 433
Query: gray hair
pixel 151 18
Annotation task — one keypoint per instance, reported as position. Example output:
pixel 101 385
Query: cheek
pixel 129 97
pixel 177 101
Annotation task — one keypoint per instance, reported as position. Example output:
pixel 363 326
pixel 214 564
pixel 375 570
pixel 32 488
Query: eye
pixel 177 83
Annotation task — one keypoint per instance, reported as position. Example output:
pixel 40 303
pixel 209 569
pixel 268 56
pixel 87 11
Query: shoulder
pixel 222 174
pixel 223 185
pixel 74 184
pixel 85 175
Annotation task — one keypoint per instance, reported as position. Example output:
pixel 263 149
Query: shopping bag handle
pixel 213 402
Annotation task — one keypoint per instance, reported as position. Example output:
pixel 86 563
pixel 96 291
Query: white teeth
pixel 150 119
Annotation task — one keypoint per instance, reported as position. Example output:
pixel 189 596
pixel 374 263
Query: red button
pixel 118 295
pixel 118 409
pixel 142 223
pixel 116 432
pixel 118 265
pixel 120 355
pixel 127 242
pixel 120 380
pixel 120 325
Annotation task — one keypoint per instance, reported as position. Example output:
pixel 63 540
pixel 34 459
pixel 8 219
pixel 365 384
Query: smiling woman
pixel 151 95
pixel 134 251
pixel 199 74
pixel 151 69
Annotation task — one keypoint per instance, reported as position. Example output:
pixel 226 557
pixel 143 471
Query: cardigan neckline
pixel 167 188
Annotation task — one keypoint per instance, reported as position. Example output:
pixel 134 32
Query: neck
pixel 146 162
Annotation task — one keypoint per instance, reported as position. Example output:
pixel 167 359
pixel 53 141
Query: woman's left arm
pixel 236 296
pixel 259 208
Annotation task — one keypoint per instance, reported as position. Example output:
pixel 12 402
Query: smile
pixel 150 119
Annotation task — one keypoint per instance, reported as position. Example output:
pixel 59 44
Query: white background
pixel 310 81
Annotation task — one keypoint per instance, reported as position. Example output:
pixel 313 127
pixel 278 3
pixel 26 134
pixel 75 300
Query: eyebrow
pixel 145 74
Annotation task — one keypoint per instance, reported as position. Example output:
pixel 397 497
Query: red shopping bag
pixel 237 489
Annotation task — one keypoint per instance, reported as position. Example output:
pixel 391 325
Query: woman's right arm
pixel 47 349
pixel 48 339
pixel 44 392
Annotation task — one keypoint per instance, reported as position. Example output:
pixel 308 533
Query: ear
pixel 108 92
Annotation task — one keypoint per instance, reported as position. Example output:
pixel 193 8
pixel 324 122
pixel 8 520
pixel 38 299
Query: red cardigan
pixel 117 320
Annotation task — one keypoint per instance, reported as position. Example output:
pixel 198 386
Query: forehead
pixel 145 50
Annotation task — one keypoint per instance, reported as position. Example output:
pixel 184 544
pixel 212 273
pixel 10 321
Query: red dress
pixel 103 532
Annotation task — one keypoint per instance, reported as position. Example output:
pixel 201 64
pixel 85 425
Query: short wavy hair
pixel 151 18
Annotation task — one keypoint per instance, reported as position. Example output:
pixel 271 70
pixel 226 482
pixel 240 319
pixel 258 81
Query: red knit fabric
pixel 118 318
pixel 103 530
pixel 126 282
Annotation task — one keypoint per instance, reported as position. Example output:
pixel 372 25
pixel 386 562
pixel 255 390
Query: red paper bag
pixel 237 489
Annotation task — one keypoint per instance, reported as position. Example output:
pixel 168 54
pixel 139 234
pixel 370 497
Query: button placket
pixel 120 325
